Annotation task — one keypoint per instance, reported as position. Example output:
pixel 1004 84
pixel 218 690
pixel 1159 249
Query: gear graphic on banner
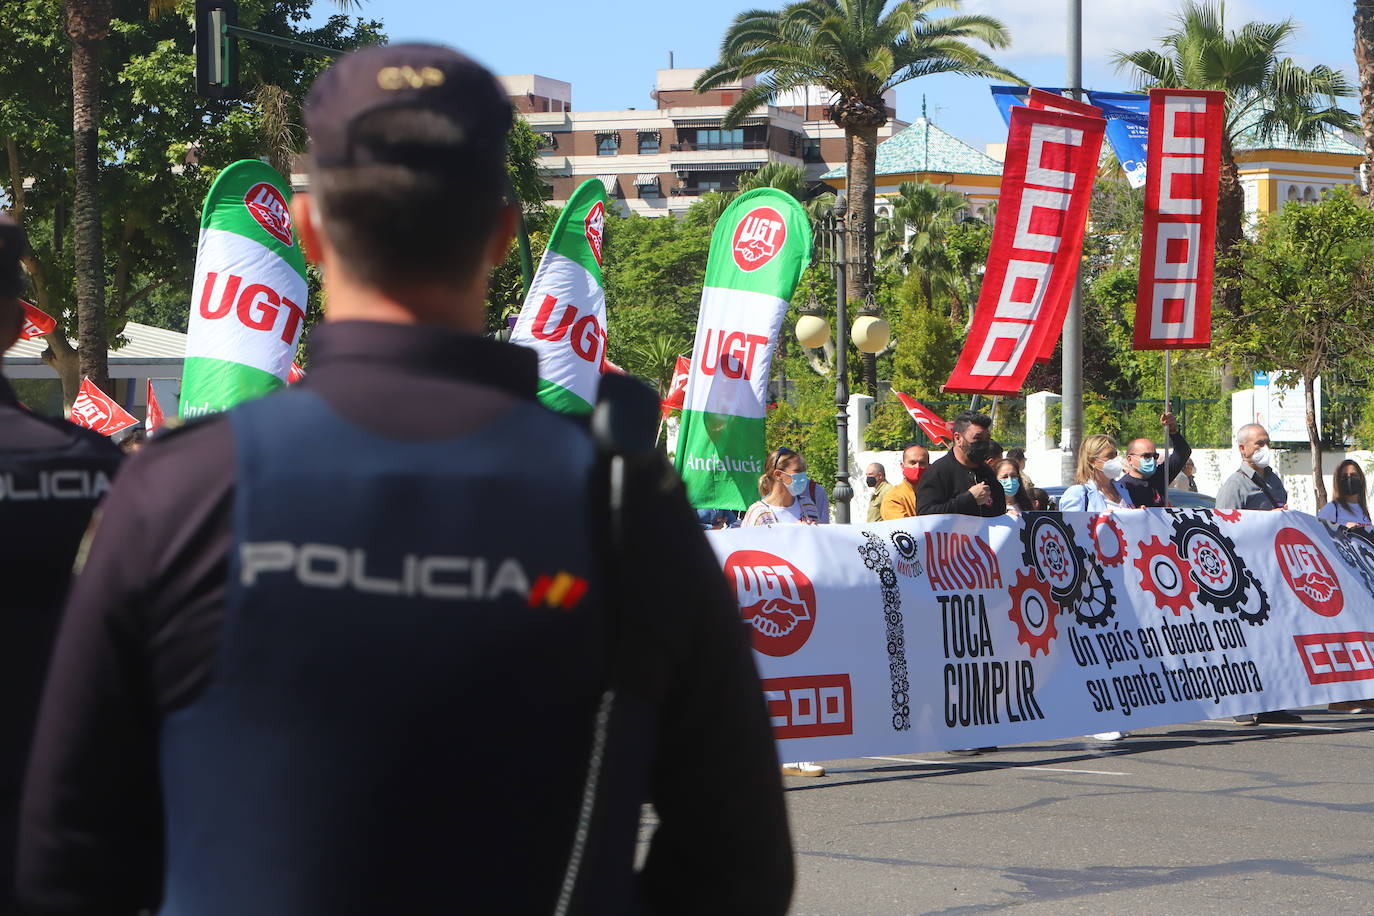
pixel 1033 610
pixel 1166 576
pixel 1076 580
pixel 1108 540
pixel 1223 580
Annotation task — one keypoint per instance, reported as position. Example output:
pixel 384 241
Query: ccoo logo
pixel 1308 572
pixel 775 598
pixel 269 209
pixel 758 237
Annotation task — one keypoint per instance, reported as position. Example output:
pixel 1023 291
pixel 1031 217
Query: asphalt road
pixel 1209 817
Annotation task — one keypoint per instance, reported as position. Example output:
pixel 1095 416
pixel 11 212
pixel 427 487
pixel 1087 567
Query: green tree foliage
pixel 160 148
pixel 1307 286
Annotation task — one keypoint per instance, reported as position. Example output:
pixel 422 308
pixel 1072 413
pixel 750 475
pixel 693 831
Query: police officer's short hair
pixel 407 160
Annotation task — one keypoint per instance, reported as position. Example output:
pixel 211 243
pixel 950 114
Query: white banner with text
pixel 948 632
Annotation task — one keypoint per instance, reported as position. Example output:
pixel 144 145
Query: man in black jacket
pixel 1146 477
pixel 320 661
pixel 961 483
pixel 52 475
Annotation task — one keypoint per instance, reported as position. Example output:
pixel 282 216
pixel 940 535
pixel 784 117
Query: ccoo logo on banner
pixel 944 632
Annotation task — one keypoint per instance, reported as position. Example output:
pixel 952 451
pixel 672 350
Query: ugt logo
pixel 775 598
pixel 758 237
pixel 1308 572
pixel 269 208
pixel 594 226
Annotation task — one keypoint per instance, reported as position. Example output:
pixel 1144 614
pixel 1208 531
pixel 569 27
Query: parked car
pixel 1182 499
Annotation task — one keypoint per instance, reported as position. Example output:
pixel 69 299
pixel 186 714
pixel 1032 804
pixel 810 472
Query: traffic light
pixel 217 57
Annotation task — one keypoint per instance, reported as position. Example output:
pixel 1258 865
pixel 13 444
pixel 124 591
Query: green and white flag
pixel 249 299
pixel 564 315
pixel 758 252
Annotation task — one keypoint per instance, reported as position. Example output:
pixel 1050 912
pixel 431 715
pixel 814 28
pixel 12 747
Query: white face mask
pixel 1260 457
pixel 1113 468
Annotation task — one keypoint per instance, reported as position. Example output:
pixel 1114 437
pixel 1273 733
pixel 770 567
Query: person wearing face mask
pixel 1254 485
pixel 877 482
pixel 961 483
pixel 1097 486
pixel 783 488
pixel 1348 506
pixel 900 501
pixel 1013 488
pixel 1146 477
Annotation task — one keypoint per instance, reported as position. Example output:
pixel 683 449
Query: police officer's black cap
pixel 407 76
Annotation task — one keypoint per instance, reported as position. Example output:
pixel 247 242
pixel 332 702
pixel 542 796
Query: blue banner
pixel 1128 130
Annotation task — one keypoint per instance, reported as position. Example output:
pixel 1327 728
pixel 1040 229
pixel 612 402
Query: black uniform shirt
pixel 52 475
pixel 143 626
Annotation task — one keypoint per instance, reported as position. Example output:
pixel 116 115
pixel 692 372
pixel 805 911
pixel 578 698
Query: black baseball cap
pixel 407 76
pixel 13 244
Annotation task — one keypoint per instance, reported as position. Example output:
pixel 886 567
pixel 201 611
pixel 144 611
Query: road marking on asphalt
pixel 1000 766
pixel 1319 728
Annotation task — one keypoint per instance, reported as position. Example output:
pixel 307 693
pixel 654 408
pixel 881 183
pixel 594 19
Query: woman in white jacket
pixel 1096 488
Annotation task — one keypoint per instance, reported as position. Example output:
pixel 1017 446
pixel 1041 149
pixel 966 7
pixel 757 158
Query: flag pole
pixel 1071 354
pixel 1168 408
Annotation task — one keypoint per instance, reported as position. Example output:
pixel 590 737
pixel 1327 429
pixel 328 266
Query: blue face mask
pixel 1148 466
pixel 798 484
pixel 1011 485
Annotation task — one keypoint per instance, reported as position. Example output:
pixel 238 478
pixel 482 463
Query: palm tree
pixel 1364 59
pixel 857 49
pixel 1266 94
pixel 913 236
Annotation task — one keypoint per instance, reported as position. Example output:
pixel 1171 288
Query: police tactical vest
pixel 399 714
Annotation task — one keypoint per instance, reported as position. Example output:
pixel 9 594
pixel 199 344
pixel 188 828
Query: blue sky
pixel 609 50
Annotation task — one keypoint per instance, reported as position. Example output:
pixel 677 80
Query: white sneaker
pixel 1109 736
pixel 802 768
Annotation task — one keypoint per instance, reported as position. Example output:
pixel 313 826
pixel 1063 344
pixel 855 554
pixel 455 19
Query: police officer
pixel 52 474
pixel 318 663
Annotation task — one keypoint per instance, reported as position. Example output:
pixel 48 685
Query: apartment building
pixel 658 160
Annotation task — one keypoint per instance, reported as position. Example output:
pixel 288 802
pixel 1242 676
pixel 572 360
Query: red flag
pixel 608 366
pixel 36 322
pixel 1053 101
pixel 677 389
pixel 95 410
pixel 154 419
pixel 931 424
pixel 295 373
pixel 1173 305
pixel 1047 183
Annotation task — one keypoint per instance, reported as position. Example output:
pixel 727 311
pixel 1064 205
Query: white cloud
pixel 1039 28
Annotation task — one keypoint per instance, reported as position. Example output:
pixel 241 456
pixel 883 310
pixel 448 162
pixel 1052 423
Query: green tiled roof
pixel 1330 141
pixel 923 147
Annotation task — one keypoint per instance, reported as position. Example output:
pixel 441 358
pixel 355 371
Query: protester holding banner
pixel 784 488
pixel 876 479
pixel 1146 478
pixel 304 620
pixel 900 501
pixel 1097 481
pixel 1254 485
pixel 1348 505
pixel 961 483
pixel 1013 488
pixel 52 475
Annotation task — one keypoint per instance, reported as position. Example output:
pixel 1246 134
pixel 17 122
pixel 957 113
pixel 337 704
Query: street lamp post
pixel 870 334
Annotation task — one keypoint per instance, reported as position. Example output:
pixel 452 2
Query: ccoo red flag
pixel 155 419
pixel 1173 306
pixel 1047 184
pixel 931 424
pixel 36 322
pixel 295 373
pixel 677 389
pixel 94 409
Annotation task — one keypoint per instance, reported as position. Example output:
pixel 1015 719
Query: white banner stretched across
pixel 947 632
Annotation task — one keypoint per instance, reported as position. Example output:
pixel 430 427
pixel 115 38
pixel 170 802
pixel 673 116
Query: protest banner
pixel 945 632
pixel 249 298
pixel 37 322
pixel 759 248
pixel 1047 185
pixel 94 409
pixel 1128 126
pixel 564 315
pixel 1177 251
